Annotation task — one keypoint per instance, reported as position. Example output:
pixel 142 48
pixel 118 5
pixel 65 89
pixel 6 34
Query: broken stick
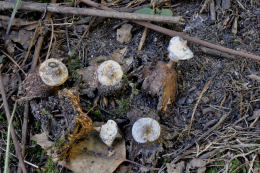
pixel 173 33
pixel 42 7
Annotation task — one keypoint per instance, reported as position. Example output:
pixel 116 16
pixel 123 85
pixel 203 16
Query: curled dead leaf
pixel 93 155
pixel 161 81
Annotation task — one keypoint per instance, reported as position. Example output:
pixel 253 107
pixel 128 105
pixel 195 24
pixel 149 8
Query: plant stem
pixel 8 139
pixel 13 15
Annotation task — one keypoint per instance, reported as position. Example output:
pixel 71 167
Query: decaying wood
pixel 42 7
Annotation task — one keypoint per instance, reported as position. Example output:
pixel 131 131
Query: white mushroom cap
pixel 178 49
pixel 53 72
pixel 146 130
pixel 109 132
pixel 109 73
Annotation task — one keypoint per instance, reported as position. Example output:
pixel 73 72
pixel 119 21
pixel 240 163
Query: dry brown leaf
pixel 254 77
pixel 198 164
pixel 89 154
pixel 83 124
pixel 160 81
pixel 89 80
pixel 175 168
pixel 119 56
pixel 93 155
pixel 42 140
pixel 123 34
pixel 22 37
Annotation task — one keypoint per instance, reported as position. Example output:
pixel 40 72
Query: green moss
pixel 122 108
pixel 237 166
pixel 37 127
pixel 60 142
pixel 3 120
pixel 35 151
pixel 50 167
pixel 125 79
pixel 211 170
pixel 256 165
pixel 45 1
pixel 74 63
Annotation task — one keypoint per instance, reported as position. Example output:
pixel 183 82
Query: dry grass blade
pixel 8 140
pixel 197 103
pixel 8 116
pixel 8 56
pixel 13 15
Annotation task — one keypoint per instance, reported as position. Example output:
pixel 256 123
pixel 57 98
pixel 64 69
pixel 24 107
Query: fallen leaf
pixel 89 81
pixel 22 37
pixel 42 140
pixel 124 33
pixel 145 11
pixel 198 164
pixel 93 155
pixel 161 81
pixel 119 56
pixel 175 168
pixel 254 77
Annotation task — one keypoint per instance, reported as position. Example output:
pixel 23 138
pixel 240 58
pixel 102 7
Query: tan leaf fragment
pixel 198 164
pixel 176 168
pixel 161 81
pixel 123 34
pixel 93 155
pixel 42 140
pixel 254 77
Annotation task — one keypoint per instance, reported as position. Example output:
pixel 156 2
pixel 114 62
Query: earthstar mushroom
pixel 109 132
pixel 53 72
pixel 178 50
pixel 109 75
pixel 146 130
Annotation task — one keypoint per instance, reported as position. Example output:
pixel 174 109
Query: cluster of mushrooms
pixel 54 73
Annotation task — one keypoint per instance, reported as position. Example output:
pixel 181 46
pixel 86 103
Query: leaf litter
pixel 65 115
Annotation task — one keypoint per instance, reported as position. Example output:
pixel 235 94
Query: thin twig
pixel 41 7
pixel 8 56
pixel 37 51
pixel 173 33
pixel 25 161
pixel 52 35
pixel 24 127
pixel 239 155
pixel 135 163
pixel 84 34
pixel 18 22
pixel 252 163
pixel 35 34
pixel 8 116
pixel 205 88
pixel 141 43
pixel 178 156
